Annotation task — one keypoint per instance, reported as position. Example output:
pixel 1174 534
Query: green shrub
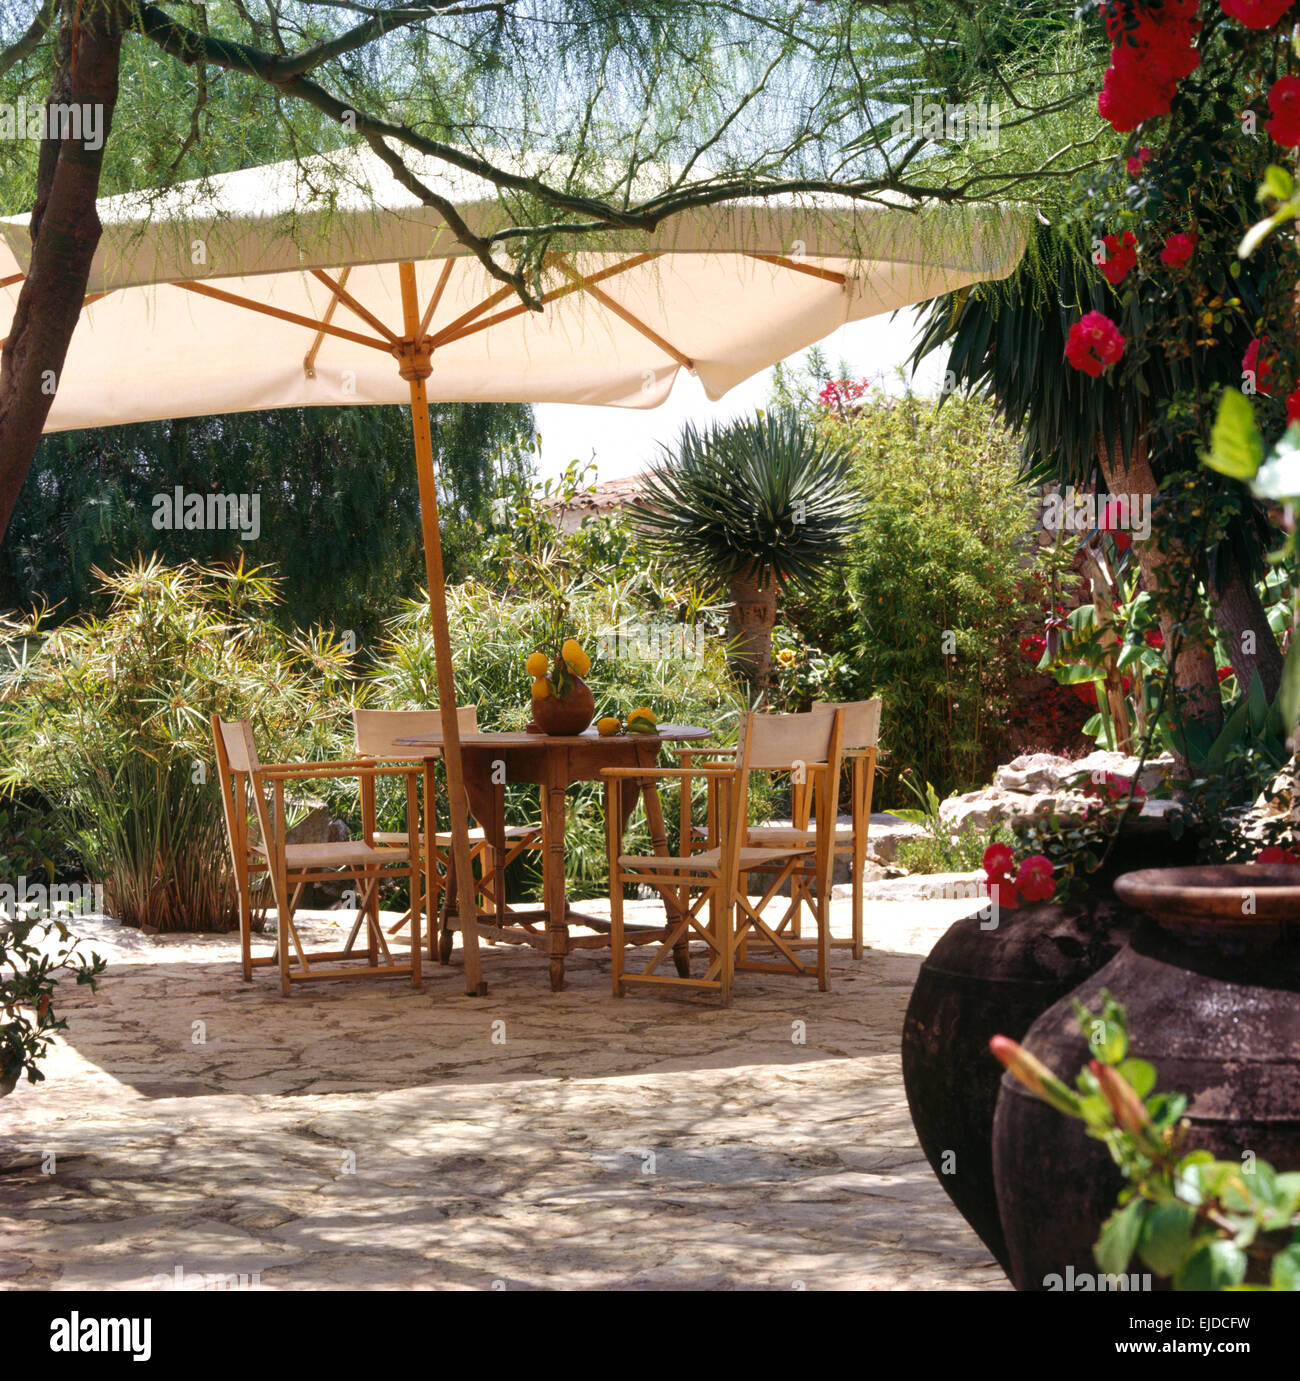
pixel 926 608
pixel 108 718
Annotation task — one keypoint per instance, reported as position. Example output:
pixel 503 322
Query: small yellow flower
pixel 785 657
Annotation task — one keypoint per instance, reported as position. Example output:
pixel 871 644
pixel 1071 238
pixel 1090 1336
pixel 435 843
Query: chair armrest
pixel 319 771
pixel 644 772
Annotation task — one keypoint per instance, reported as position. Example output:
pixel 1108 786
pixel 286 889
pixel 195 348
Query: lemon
pixel 642 721
pixel 608 726
pixel 575 658
pixel 537 664
pixel 541 688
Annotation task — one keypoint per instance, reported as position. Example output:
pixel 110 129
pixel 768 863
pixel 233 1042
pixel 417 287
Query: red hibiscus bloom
pixel 1036 880
pixel 1138 161
pixel 1119 255
pixel 1256 14
pixel 1178 249
pixel 1257 363
pixel 1094 344
pixel 1155 638
pixel 1284 102
pixel 998 859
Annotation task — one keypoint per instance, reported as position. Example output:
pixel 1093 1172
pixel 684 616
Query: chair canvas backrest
pixel 238 771
pixel 861 721
pixel 376 731
pixel 787 743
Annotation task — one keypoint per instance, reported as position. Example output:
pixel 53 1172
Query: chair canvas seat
pixel 709 860
pixel 344 854
pixel 476 835
pixel 773 835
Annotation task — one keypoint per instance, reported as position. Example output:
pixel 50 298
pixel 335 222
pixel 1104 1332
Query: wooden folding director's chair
pixel 295 865
pixel 716 877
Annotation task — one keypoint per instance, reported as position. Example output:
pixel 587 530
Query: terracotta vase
pixel 977 983
pixel 1213 1001
pixel 569 714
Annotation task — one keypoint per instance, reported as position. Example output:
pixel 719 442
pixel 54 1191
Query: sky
pixel 625 441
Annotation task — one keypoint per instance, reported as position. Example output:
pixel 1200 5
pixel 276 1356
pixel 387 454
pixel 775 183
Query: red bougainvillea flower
pixel 1110 520
pixel 1257 363
pixel 1178 249
pixel 1138 161
pixel 1284 102
pixel 1087 692
pixel 1036 880
pixel 1274 854
pixel 1120 256
pixel 1256 14
pixel 840 391
pixel 998 859
pixel 1094 344
pixel 1155 638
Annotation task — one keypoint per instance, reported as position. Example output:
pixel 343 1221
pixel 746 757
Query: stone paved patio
pixel 366 1135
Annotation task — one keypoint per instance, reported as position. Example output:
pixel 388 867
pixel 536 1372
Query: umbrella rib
pixel 828 274
pixel 354 306
pixel 85 301
pixel 448 331
pixel 555 293
pixel 588 286
pixel 205 290
pixel 11 280
pixel 309 359
pixel 436 298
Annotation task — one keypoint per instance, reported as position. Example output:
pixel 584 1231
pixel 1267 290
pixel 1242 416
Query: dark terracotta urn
pixel 1211 983
pixel 567 714
pixel 977 983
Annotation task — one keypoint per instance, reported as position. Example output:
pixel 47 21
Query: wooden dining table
pixel 491 761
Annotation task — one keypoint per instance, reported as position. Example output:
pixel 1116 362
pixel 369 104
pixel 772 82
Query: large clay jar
pixel 568 714
pixel 977 983
pixel 1211 984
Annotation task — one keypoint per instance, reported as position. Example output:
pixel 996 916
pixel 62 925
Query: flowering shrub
pixel 1148 60
pixel 1034 880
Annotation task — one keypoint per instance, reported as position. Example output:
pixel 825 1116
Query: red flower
pixel 1273 854
pixel 1256 14
pixel 1087 692
pixel 1224 673
pixel 1108 520
pixel 1284 102
pixel 1003 891
pixel 1147 63
pixel 998 859
pixel 1155 638
pixel 1036 880
pixel 1094 344
pixel 1032 647
pixel 1293 407
pixel 1119 255
pixel 1178 249
pixel 1260 369
pixel 1139 161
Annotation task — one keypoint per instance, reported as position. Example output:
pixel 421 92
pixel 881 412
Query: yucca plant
pixel 755 505
pixel 108 717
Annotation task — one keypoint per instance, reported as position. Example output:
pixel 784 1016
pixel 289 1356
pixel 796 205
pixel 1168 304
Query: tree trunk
pixel 752 618
pixel 65 231
pixel 1196 680
pixel 1244 629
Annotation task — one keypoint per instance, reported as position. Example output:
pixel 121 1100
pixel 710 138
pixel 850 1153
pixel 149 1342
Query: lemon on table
pixel 541 688
pixel 575 658
pixel 608 726
pixel 538 664
pixel 642 721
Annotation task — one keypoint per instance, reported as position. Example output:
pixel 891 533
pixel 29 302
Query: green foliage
pixel 925 609
pixel 1200 1222
pixel 768 497
pixel 942 851
pixel 33 951
pixel 337 504
pixel 108 717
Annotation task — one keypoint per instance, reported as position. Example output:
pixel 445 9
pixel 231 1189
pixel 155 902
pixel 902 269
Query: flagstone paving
pixel 196 1131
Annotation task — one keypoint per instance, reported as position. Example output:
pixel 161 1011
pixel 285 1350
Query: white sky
pixel 626 440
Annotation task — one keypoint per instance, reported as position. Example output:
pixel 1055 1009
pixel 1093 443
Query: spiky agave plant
pixel 757 505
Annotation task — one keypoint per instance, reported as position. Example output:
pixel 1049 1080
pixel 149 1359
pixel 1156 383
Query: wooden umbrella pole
pixel 414 359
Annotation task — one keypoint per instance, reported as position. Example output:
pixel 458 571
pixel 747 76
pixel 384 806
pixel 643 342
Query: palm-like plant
pixel 756 505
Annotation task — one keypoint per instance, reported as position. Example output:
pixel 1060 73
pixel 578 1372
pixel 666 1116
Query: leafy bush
pixel 926 608
pixel 109 720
